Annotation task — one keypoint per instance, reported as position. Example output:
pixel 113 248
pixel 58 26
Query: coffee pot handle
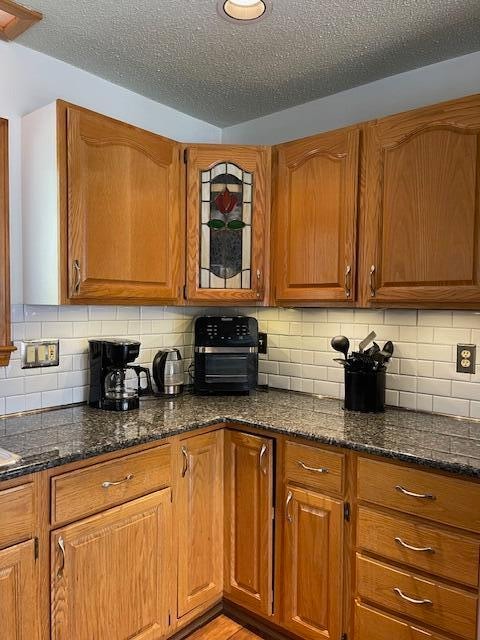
pixel 148 389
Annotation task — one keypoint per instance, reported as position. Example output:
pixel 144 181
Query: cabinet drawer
pixel 422 493
pixel 16 514
pixel 373 625
pixel 86 491
pixel 428 601
pixel 315 468
pixel 447 555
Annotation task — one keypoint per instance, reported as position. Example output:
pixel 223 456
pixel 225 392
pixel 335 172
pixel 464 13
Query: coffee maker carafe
pixel 110 386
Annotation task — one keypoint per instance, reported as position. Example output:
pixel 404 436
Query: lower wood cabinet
pixel 249 521
pixel 313 565
pixel 18 608
pixel 111 573
pixel 200 521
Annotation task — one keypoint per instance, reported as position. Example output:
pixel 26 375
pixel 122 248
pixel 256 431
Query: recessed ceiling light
pixel 243 10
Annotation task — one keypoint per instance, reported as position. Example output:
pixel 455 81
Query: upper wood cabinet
pixel 111 193
pixel 249 521
pixel 6 346
pixel 200 512
pixel 228 203
pixel 315 218
pixel 420 238
pixel 111 573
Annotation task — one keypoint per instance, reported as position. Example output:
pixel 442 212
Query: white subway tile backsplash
pixel 421 375
pixel 451 406
pixel 467 319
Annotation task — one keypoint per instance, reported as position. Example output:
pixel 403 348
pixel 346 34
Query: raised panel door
pixel 125 220
pixel 313 565
pixel 315 218
pixel 228 213
pixel 420 240
pixel 111 573
pixel 249 521
pixel 18 607
pixel 200 521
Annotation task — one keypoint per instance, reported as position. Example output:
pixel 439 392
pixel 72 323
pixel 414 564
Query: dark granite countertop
pixel 52 438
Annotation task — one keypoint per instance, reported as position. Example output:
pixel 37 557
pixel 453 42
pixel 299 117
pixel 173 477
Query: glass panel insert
pixel 225 227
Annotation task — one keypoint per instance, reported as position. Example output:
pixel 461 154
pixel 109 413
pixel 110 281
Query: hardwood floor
pixel 223 628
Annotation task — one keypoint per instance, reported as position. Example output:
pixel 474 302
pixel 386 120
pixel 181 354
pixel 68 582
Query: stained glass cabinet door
pixel 227 215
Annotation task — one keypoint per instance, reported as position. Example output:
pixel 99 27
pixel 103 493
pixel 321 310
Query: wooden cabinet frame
pixel 6 346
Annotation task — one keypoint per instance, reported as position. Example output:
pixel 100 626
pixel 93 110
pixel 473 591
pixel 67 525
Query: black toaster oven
pixel 226 354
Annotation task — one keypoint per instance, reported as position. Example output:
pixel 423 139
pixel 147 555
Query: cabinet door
pixel 313 565
pixel 421 240
pixel 125 225
pixel 227 219
pixel 200 521
pixel 18 609
pixel 111 573
pixel 6 346
pixel 249 521
pixel 315 218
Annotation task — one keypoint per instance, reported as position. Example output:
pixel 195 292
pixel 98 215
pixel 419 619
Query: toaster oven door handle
pixel 226 349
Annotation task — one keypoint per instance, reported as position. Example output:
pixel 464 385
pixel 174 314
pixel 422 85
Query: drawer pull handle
pixel 314 469
pixel 411 548
pixel 400 593
pixel 185 461
pixel 61 545
pixel 289 499
pixel 107 484
pixel 263 451
pixel 406 492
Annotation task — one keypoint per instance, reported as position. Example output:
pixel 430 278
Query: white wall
pixel 427 85
pixel 29 80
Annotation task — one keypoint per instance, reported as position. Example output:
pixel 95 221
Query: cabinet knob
pixel 412 494
pixel 263 451
pixel 185 461
pixel 400 593
pixel 287 507
pixel 403 544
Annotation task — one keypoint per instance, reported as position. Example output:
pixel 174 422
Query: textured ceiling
pixel 181 53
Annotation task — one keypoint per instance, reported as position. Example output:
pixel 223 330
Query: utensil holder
pixel 365 391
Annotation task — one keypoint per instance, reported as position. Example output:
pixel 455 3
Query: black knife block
pixel 365 391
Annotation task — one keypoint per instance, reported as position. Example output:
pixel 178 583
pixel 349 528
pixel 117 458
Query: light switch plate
pixel 39 353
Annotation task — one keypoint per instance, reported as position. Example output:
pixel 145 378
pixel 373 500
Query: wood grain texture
pixel 80 493
pixel 22 19
pixel 420 207
pixel 6 346
pixel 452 610
pixel 455 502
pixel 315 218
pixel 453 556
pixel 122 209
pixel 115 580
pixel 18 608
pixel 17 514
pixel 248 543
pixel 253 159
pixel 325 472
pixel 375 625
pixel 313 565
pixel 200 512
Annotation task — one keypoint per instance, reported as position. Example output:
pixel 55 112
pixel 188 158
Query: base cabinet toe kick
pixel 302 540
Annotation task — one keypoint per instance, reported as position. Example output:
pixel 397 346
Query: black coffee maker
pixel 110 386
